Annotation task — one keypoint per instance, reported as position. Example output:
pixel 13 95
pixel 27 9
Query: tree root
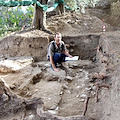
pixel 86 105
pixel 99 85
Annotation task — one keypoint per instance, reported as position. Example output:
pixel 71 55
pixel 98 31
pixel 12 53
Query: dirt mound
pixel 74 24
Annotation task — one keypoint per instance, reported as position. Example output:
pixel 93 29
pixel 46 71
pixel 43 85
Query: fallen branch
pixel 85 107
pixel 97 94
pixel 24 111
pixel 99 85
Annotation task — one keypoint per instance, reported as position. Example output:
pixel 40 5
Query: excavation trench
pixel 63 93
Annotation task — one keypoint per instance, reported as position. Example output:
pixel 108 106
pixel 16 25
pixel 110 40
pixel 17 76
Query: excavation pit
pixel 62 91
pixel 16 46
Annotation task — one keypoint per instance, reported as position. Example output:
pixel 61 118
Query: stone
pixel 95 75
pixel 83 96
pixel 65 86
pixel 88 89
pixel 5 97
pixel 52 112
pixel 77 96
pixel 82 100
pixel 69 78
pixel 78 87
pixel 31 117
pixel 94 87
pixel 86 78
pixel 93 92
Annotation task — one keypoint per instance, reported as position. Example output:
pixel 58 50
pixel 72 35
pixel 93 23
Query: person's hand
pixel 70 56
pixel 55 69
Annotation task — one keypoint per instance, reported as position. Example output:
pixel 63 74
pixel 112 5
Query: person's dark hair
pixel 57 33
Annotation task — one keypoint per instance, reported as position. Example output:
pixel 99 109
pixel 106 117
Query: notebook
pixel 71 59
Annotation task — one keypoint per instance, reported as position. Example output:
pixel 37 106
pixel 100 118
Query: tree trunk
pixel 39 21
pixel 60 9
pixel 40 18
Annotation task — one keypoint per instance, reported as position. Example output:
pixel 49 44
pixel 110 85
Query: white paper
pixel 73 58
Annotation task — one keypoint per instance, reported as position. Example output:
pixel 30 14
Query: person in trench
pixel 57 52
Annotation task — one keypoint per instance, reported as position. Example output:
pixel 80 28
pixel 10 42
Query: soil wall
pixel 15 46
pixel 84 45
pixel 109 99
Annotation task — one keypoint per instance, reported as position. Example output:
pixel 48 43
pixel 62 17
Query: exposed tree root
pixel 99 85
pixel 85 107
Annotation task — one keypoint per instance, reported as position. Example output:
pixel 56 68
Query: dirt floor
pixel 88 89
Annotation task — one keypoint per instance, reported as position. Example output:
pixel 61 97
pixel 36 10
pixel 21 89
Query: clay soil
pixel 94 77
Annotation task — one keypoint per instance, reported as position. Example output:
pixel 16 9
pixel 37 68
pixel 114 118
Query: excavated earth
pixel 88 89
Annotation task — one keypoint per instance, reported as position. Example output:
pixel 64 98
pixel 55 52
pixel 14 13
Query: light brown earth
pixel 30 79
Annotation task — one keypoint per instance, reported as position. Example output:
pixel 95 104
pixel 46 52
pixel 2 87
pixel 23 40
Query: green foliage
pixel 71 3
pixel 80 4
pixel 12 19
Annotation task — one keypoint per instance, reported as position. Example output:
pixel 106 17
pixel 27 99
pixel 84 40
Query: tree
pixel 60 9
pixel 39 21
pixel 39 16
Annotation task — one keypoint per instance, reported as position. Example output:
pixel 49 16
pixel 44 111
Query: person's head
pixel 58 37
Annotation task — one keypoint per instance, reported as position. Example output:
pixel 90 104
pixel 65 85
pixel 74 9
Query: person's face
pixel 58 38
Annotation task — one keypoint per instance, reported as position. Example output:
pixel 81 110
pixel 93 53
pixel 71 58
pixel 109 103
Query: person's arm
pixel 66 53
pixel 53 65
pixel 51 53
pixel 65 50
